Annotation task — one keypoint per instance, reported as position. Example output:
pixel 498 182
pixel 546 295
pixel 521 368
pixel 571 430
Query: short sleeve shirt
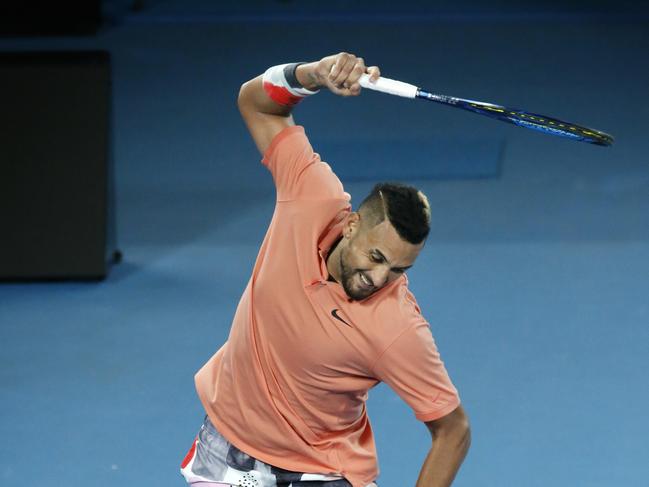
pixel 290 384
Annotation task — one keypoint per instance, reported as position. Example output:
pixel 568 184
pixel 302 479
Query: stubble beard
pixel 346 278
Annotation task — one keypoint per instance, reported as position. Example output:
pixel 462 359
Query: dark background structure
pixel 535 278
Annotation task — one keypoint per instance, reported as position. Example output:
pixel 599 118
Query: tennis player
pixel 325 317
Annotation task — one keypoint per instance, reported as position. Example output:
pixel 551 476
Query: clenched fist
pixel 339 73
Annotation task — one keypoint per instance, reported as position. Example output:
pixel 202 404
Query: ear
pixel 352 224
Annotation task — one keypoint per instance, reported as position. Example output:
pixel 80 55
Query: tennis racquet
pixel 521 118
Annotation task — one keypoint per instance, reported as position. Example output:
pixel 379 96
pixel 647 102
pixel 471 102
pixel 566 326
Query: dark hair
pixel 405 206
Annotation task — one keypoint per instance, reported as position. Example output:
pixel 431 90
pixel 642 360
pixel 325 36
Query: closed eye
pixel 380 258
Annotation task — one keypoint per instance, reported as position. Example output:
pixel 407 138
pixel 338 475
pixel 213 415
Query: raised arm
pixel 268 110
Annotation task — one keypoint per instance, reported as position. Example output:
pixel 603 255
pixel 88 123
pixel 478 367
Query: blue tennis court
pixel 535 278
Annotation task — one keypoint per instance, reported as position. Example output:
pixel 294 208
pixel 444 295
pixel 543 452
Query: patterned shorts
pixel 213 459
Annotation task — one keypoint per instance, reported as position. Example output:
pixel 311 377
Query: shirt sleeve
pixel 412 367
pixel 297 170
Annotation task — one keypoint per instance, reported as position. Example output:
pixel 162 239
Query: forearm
pixel 253 96
pixel 338 73
pixel 308 76
pixel 266 102
pixel 444 460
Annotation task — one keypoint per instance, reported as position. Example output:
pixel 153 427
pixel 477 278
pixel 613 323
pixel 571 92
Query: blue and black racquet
pixel 521 118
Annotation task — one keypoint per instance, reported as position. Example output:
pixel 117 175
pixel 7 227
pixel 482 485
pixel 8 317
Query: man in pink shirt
pixel 326 316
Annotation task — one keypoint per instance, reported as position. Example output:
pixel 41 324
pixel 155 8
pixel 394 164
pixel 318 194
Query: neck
pixel 333 261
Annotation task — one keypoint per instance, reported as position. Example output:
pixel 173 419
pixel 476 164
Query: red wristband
pixel 281 85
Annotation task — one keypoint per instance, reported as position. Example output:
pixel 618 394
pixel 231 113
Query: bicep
pixel 263 117
pixel 455 421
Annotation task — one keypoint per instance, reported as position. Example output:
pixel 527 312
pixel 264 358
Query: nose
pixel 379 275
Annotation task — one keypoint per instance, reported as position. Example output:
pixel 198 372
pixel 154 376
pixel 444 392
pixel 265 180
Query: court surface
pixel 535 278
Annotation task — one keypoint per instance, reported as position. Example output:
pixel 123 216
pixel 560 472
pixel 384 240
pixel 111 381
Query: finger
pixel 354 90
pixel 340 91
pixel 345 69
pixel 356 73
pixel 338 65
pixel 374 72
pixel 343 91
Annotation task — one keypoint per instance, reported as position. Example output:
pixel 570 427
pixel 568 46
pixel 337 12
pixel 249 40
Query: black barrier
pixel 57 218
pixel 41 18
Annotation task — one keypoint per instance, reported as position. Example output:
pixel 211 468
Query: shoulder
pixel 399 305
pixel 298 171
pixel 320 181
pixel 290 140
pixel 390 314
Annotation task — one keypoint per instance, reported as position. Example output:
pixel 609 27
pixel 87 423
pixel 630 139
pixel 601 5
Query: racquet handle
pixel 389 86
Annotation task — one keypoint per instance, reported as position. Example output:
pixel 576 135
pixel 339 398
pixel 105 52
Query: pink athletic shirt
pixel 289 386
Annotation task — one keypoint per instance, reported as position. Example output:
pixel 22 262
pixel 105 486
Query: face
pixel 372 258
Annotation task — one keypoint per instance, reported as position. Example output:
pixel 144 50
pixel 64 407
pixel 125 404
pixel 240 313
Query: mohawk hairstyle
pixel 405 206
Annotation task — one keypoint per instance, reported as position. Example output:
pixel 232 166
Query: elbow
pixel 454 428
pixel 464 436
pixel 460 430
pixel 251 98
pixel 242 97
pixel 245 102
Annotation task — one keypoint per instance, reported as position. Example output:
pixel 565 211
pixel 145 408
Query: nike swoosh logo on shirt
pixel 334 313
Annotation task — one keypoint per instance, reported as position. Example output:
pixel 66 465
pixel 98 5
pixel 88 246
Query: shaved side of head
pixel 405 206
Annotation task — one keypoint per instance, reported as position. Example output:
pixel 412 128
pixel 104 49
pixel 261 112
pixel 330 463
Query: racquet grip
pixel 389 86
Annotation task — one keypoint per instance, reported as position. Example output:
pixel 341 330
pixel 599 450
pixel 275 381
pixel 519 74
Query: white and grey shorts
pixel 213 461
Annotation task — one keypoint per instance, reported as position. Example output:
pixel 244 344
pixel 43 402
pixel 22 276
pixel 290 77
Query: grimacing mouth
pixel 366 280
